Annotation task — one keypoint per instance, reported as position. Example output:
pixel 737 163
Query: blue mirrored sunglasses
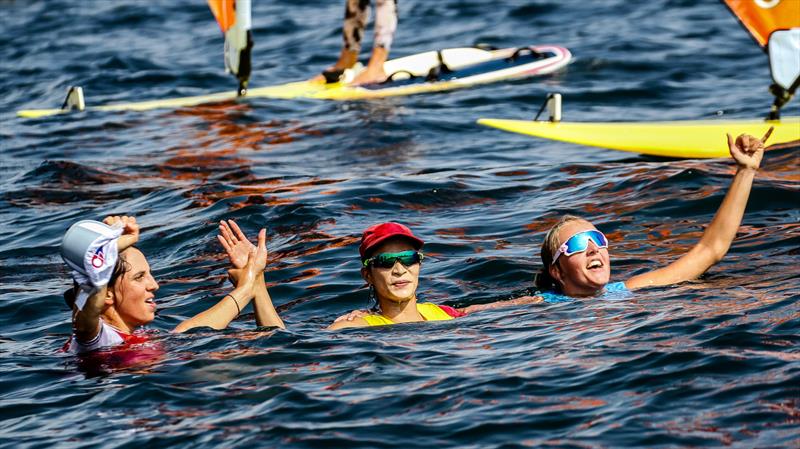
pixel 580 242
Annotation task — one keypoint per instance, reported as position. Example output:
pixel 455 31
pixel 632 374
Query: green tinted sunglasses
pixel 387 260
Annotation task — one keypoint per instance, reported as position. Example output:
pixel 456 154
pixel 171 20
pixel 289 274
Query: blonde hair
pixel 545 282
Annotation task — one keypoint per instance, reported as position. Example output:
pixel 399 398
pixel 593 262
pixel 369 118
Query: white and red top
pixel 109 336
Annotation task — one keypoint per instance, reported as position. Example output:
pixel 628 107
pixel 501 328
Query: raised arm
pixel 86 322
pixel 717 238
pixel 236 246
pixel 228 308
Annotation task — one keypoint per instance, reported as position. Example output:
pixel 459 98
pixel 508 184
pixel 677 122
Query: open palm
pixel 237 246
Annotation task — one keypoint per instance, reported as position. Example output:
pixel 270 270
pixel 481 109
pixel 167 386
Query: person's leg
pixel 356 13
pixel 385 27
pixel 385 23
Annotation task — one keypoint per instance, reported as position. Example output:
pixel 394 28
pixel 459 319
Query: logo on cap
pixel 98 259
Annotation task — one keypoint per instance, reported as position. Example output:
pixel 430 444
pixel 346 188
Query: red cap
pixel 378 233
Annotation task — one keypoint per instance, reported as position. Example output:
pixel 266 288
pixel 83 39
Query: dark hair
pixel 543 281
pixel 120 268
pixel 372 303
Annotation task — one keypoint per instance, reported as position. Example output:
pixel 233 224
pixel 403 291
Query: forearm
pixel 86 324
pixel 714 243
pixel 500 304
pixel 266 315
pixel 220 314
pixel 723 227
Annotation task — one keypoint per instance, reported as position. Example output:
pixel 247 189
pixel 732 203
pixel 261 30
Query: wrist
pixel 243 293
pixel 746 169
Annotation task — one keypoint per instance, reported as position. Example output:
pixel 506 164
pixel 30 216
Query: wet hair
pixel 120 268
pixel 543 281
pixel 372 303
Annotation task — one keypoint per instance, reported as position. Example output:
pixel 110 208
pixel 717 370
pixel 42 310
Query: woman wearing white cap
pixel 114 291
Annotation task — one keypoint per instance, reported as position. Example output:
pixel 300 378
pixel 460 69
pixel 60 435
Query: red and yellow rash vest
pixel 428 310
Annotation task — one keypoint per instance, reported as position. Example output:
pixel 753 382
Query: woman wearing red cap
pixel 390 263
pixel 391 260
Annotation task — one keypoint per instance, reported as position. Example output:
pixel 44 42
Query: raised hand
pixel 260 254
pixel 130 230
pixel 235 243
pixel 748 150
pixel 256 261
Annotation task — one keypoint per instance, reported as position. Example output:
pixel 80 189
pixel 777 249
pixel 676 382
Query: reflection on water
pixel 708 363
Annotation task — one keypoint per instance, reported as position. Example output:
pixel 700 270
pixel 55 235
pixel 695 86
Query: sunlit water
pixel 710 363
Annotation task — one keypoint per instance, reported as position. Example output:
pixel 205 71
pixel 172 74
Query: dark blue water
pixel 711 363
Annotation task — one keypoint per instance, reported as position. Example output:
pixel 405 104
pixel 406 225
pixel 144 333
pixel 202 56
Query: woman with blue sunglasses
pixel 575 255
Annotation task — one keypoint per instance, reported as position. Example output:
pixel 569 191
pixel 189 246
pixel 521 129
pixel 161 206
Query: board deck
pixel 678 139
pixel 470 67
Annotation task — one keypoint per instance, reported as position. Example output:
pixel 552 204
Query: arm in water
pixel 747 151
pixel 355 314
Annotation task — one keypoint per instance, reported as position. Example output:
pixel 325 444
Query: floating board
pixel 456 68
pixel 679 139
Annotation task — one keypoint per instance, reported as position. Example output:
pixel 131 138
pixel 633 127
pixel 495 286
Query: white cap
pixel 89 248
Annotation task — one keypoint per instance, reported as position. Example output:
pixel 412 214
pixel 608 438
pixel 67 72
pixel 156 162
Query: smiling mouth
pixel 595 264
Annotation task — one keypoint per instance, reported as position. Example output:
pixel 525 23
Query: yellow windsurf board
pixel 461 67
pixel 678 139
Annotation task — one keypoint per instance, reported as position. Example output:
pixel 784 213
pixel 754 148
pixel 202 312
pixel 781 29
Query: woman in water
pixel 575 256
pixel 391 259
pixel 113 311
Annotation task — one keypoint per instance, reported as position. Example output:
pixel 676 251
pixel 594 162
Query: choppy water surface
pixel 708 364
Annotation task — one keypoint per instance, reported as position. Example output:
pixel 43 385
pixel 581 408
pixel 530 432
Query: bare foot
pixel 369 76
pixel 374 72
pixel 346 60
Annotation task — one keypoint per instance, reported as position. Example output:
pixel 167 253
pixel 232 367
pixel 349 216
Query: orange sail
pixel 224 11
pixel 775 25
pixel 762 17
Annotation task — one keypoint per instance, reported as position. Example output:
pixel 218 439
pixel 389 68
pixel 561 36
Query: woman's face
pixel 398 283
pixel 585 273
pixel 134 291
